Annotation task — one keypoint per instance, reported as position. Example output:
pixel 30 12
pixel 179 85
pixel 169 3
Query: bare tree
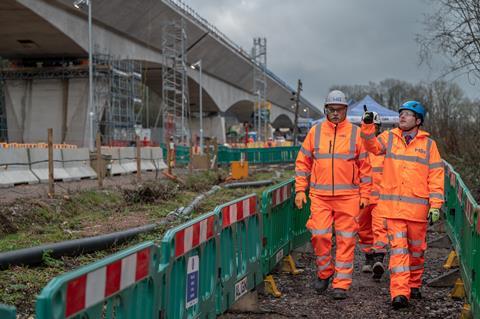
pixel 454 31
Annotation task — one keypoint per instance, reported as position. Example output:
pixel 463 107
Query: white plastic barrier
pixel 146 159
pixel 39 164
pixel 14 167
pixel 114 167
pixel 128 159
pixel 157 158
pixel 76 162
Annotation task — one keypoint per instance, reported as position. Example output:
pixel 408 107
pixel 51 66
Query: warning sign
pixel 192 281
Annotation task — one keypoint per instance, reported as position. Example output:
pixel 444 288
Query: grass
pixel 65 218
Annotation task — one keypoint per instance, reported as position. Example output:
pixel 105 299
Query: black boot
pixel 378 268
pixel 399 302
pixel 415 293
pixel 320 285
pixel 339 294
pixel 367 267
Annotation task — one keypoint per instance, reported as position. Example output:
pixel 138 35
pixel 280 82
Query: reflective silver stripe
pixel 399 251
pixel 301 173
pixel 341 275
pixel 412 200
pixel 379 250
pixel 377 169
pixel 380 244
pixel 365 245
pixel 363 155
pixel 401 234
pixel 366 179
pixel 321 258
pixel 321 231
pixel 318 130
pixel 336 156
pixel 346 234
pixel 336 187
pixel 417 267
pixel 367 136
pixel 436 195
pixel 417 254
pixel 390 143
pixel 398 269
pixel 429 146
pixel 340 264
pixel 323 267
pixel 417 242
pixel 407 158
pixel 353 139
pixel 305 152
pixel 375 193
pixel 390 237
pixel 436 165
pixel 385 225
pixel 384 148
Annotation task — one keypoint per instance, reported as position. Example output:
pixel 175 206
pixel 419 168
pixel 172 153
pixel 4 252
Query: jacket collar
pixel 340 125
pixel 399 133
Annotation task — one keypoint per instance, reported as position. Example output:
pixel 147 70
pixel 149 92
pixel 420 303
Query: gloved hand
pixel 367 117
pixel 363 202
pixel 300 199
pixel 433 215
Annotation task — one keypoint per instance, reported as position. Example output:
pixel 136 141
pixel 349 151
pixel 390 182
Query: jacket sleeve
pixel 365 170
pixel 374 144
pixel 304 163
pixel 435 178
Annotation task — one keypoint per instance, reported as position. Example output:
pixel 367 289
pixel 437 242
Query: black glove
pixel 367 117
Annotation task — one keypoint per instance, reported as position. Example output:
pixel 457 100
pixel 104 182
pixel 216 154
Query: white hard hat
pixel 336 97
pixel 376 118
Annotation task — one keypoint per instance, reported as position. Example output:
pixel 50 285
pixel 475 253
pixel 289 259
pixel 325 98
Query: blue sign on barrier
pixel 192 281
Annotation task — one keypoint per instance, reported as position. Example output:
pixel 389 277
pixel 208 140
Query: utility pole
pixel 297 106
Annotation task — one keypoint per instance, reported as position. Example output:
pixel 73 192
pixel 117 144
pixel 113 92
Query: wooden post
pixel 51 186
pixel 139 159
pixel 190 163
pixel 169 157
pixel 100 165
pixel 215 153
pixel 207 151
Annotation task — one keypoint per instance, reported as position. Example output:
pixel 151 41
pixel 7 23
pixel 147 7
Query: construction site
pixel 151 167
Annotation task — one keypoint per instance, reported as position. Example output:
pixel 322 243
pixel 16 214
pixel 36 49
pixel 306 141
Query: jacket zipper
pixel 333 152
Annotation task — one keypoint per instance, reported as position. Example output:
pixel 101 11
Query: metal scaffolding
pixel 260 117
pixel 117 98
pixel 174 109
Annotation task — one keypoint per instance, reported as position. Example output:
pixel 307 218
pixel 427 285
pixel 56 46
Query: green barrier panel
pixel 189 261
pixel 7 312
pixel 239 250
pixel 301 235
pixel 268 155
pixel 277 210
pixel 182 154
pixel 119 286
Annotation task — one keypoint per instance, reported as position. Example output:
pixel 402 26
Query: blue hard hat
pixel 415 107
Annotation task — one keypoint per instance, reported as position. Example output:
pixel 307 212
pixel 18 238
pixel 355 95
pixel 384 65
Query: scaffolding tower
pixel 260 109
pixel 117 98
pixel 175 104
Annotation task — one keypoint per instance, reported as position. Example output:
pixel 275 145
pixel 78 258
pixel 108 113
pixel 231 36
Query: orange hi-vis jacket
pixel 333 161
pixel 377 171
pixel 412 178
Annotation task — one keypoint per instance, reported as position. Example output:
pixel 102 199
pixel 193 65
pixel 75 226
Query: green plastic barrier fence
pixel 239 250
pixel 182 154
pixel 120 286
pixel 300 234
pixel 270 155
pixel 7 312
pixel 189 261
pixel 277 211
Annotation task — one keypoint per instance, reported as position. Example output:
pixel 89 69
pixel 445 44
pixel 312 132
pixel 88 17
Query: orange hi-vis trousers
pixel 407 247
pixel 341 212
pixel 372 232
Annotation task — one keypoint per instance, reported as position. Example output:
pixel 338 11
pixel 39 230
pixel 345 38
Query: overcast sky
pixel 328 42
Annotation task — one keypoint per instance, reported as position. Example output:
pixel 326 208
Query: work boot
pixel 378 268
pixel 339 294
pixel 415 293
pixel 320 285
pixel 367 267
pixel 399 302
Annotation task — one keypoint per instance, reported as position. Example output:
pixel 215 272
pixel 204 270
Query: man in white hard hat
pixel 333 165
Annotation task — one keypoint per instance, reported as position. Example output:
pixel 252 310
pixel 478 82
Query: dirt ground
pixel 367 298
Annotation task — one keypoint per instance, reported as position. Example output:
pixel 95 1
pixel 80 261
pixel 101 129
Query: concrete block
pixel 128 159
pixel 76 162
pixel 158 158
pixel 146 159
pixel 39 165
pixel 15 167
pixel 114 167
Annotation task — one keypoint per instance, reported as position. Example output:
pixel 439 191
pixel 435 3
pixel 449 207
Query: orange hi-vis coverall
pixel 334 166
pixel 412 182
pixel 372 232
